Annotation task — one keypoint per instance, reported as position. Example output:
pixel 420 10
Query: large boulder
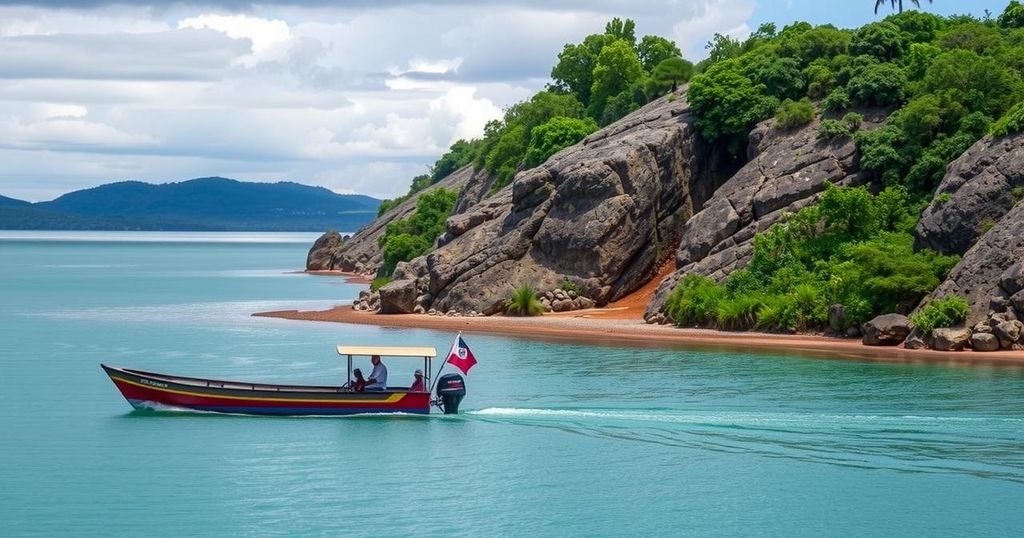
pixel 950 339
pixel 976 192
pixel 886 330
pixel 398 297
pixel 984 342
pixel 601 213
pixel 787 171
pixel 321 256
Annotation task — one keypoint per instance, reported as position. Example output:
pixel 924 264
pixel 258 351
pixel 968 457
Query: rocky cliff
pixel 602 214
pixel 360 253
pixel 786 171
pixel 975 213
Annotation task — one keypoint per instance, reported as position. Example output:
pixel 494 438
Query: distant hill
pixel 11 202
pixel 206 204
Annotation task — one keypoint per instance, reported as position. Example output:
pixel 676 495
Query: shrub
pixel 943 198
pixel 524 302
pixel 379 282
pixel 1011 122
pixel 944 312
pixel 837 101
pixel 739 313
pixel 880 39
pixel 1013 15
pixel 878 84
pixel 793 114
pixel 569 285
pixel 1018 194
pixel 554 135
pixel 695 300
pixel 413 236
pixel 987 225
pixel 832 129
pixel 852 121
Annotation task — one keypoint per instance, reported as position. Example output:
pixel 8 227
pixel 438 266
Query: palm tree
pixel 895 3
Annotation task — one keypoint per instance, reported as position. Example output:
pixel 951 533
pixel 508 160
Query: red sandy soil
pixel 621 324
pixel 350 278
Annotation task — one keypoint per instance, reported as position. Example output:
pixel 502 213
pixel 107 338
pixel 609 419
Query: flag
pixel 460 356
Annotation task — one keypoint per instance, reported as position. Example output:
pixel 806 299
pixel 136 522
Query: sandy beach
pixel 621 326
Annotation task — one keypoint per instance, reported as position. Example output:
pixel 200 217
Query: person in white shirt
pixel 379 376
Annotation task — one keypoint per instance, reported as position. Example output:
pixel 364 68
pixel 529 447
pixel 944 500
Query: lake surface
pixel 554 439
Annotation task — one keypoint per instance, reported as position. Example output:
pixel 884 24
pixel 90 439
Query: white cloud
pixel 358 98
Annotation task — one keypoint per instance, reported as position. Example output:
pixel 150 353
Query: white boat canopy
pixel 387 351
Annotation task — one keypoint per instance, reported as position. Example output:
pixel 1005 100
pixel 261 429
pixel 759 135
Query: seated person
pixel 359 383
pixel 379 376
pixel 417 384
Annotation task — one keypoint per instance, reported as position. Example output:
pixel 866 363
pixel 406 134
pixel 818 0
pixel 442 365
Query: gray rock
pixel 886 330
pixel 1008 332
pixel 984 342
pixel 321 255
pixel 562 305
pixel 853 332
pixel 978 276
pixel 979 184
pixel 1012 279
pixel 418 309
pixel 982 327
pixel 398 297
pixel 836 317
pixel 787 171
pixel 917 340
pixel 950 339
pixel 586 302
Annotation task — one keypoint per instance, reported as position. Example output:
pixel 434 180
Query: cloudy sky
pixel 357 98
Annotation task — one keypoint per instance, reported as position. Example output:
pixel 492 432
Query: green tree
pixel 671 72
pixel 727 104
pixel 460 154
pixel 558 133
pixel 722 47
pixel 781 77
pixel 616 69
pixel 574 71
pixel 653 50
pixel 977 82
pixel 413 236
pixel 883 40
pixel 1013 16
pixel 622 29
pixel 879 84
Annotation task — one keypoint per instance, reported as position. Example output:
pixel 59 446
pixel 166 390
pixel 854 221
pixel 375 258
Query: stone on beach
pixel 886 330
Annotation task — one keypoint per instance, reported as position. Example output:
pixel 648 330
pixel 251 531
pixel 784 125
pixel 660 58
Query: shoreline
pixel 611 328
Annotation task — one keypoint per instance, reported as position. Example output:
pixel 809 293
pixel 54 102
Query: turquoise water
pixel 555 440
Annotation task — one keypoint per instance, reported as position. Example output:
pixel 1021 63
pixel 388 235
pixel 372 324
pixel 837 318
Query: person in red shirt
pixel 417 384
pixel 359 383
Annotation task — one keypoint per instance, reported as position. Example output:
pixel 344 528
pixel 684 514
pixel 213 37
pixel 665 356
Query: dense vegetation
pixel 945 79
pixel 407 238
pixel 852 249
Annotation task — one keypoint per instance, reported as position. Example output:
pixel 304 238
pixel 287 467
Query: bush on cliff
pixel 852 249
pixel 554 135
pixel 408 238
pixel 524 302
pixel 794 114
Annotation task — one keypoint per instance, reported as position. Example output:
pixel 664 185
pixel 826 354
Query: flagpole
pixel 444 362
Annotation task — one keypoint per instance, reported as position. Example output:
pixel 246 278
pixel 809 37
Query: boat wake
pixel 987 447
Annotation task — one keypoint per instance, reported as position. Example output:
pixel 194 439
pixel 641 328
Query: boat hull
pixel 148 390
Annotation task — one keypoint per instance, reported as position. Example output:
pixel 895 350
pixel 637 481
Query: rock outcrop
pixel 322 256
pixel 992 263
pixel 787 171
pixel 360 253
pixel 601 213
pixel 976 192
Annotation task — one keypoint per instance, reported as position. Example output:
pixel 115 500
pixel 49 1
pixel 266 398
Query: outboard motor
pixel 451 388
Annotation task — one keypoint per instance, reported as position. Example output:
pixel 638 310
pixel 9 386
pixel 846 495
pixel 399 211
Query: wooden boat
pixel 149 390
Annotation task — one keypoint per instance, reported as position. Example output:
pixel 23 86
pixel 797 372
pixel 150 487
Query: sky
pixel 357 96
